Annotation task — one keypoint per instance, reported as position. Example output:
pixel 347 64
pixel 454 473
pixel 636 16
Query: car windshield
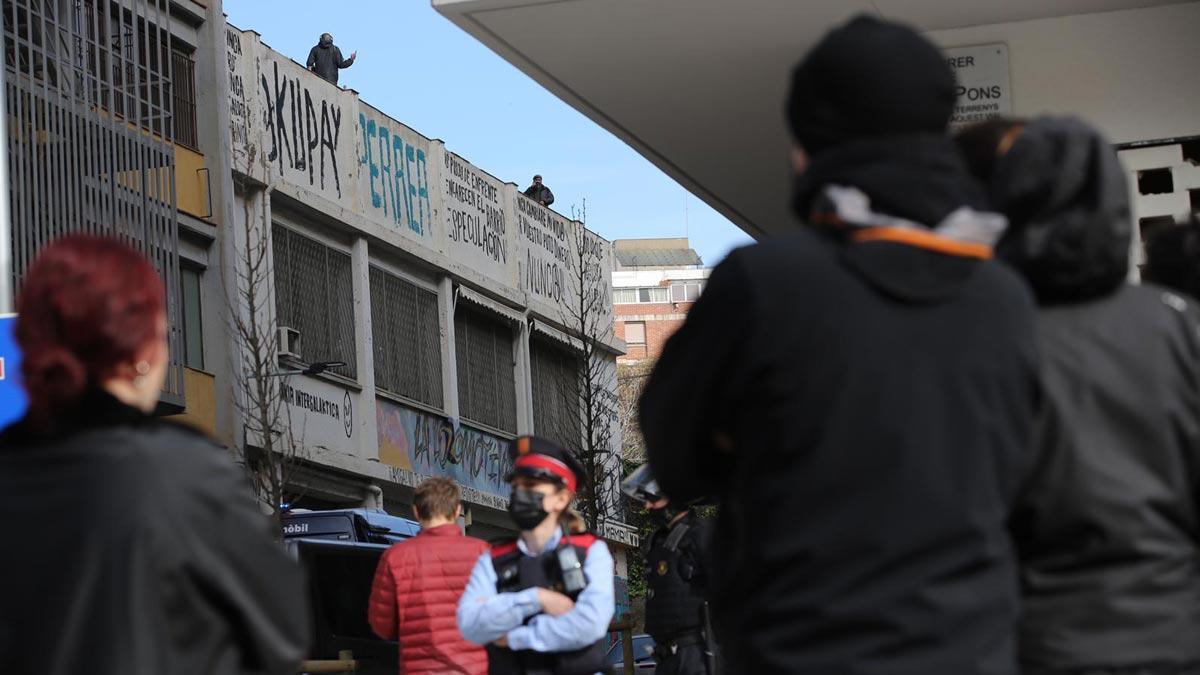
pixel 643 650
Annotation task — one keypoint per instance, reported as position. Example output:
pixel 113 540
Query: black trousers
pixel 687 660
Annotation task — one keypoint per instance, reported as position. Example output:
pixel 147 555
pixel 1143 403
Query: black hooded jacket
pixel 863 410
pixel 325 60
pixel 1107 525
pixel 133 547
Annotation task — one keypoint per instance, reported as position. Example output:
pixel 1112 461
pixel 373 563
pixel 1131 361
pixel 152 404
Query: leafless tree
pixel 631 380
pixel 589 394
pixel 269 449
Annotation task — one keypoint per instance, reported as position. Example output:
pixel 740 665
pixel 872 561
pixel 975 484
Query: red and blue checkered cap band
pixel 550 465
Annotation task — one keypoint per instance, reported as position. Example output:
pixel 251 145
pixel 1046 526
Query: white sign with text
pixel 984 91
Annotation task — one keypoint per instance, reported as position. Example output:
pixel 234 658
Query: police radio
pixel 573 578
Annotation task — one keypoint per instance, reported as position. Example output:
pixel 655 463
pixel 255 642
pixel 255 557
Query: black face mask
pixel 525 507
pixel 663 517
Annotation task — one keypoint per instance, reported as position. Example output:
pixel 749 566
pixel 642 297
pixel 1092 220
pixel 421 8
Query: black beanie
pixel 869 78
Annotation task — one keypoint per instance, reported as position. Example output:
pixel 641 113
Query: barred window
pixel 313 294
pixel 408 352
pixel 487 381
pixel 556 386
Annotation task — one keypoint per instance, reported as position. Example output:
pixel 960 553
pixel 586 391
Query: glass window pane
pixel 624 296
pixel 659 294
pixel 678 293
pixel 643 295
pixel 193 319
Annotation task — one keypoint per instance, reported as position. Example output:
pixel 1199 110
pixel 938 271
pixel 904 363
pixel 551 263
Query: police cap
pixel 542 458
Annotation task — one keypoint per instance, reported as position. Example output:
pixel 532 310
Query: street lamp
pixel 315 368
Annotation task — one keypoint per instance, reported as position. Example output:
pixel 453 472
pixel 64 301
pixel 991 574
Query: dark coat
pixel 1108 525
pixel 864 412
pixel 133 547
pixel 540 194
pixel 325 59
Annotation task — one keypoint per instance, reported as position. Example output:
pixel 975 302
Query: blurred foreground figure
pixel 132 545
pixel 676 574
pixel 1107 527
pixel 1173 258
pixel 859 392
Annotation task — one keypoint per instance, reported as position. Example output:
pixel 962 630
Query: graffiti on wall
pixel 546 263
pixel 397 173
pixel 430 445
pixel 475 223
pixel 302 128
pixel 239 110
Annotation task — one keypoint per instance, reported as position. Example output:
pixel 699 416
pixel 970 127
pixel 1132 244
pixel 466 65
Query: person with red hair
pixel 132 545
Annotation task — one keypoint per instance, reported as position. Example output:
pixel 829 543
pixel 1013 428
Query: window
pixel 193 318
pixel 313 294
pixel 646 294
pixel 1194 200
pixel 183 98
pixel 1152 224
pixel 1155 182
pixel 407 339
pixel 635 332
pixel 487 381
pixel 625 296
pixel 686 292
pixel 556 375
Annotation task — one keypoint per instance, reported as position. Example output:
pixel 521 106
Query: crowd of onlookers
pixel 947 433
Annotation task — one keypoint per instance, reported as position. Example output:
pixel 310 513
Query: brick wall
pixel 661 322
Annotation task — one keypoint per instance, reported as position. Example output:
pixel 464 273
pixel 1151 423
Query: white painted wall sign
pixel 984 91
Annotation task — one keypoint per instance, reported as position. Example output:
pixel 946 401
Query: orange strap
pixel 925 240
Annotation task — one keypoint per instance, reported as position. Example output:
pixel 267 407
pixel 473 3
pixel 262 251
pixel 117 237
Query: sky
pixel 421 69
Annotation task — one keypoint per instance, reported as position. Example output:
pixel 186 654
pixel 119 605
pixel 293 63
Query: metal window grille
pixel 183 99
pixel 556 375
pixel 407 339
pixel 487 379
pixel 77 73
pixel 313 294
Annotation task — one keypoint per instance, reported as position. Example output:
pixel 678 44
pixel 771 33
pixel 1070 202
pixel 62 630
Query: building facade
pixel 655 283
pixel 408 313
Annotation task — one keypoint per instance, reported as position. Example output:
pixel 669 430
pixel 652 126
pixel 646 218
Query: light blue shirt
pixel 485 615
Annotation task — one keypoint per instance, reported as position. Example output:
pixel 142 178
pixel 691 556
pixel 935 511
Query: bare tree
pixel 591 392
pixel 631 380
pixel 269 450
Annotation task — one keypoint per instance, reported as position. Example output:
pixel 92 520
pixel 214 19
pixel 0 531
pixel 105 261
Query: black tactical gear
pixel 675 574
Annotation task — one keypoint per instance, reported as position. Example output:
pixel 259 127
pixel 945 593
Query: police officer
pixel 676 611
pixel 541 602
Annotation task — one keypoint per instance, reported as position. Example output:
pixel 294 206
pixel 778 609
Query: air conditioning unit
pixel 289 342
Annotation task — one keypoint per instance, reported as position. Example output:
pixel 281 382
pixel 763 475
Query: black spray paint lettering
pixel 291 121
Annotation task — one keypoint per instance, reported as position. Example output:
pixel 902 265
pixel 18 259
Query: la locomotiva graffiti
pixel 428 444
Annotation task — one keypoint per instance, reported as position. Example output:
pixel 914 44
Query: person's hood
pixel 908 217
pixel 1065 196
pixel 325 44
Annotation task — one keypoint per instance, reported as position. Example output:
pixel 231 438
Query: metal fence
pixel 407 339
pixel 85 90
pixel 487 380
pixel 314 295
pixel 556 387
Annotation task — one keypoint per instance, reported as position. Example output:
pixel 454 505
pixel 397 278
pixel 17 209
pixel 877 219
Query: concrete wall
pixel 1131 72
pixel 318 160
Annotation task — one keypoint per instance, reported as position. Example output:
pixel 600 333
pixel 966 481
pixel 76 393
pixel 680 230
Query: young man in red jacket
pixel 418 584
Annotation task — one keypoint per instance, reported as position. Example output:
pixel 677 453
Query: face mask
pixel 662 517
pixel 525 507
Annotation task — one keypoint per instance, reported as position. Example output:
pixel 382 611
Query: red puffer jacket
pixel 417 587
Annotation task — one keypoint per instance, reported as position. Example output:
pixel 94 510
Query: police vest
pixel 515 572
pixel 675 600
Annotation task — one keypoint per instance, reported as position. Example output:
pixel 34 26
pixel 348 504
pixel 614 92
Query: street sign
pixel 12 395
pixel 984 91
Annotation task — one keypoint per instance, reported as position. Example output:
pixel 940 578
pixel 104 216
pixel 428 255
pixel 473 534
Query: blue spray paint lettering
pixel 402 174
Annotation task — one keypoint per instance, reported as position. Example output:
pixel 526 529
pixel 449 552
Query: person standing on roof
pixel 325 59
pixel 418 584
pixel 542 602
pixel 539 193
pixel 859 391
